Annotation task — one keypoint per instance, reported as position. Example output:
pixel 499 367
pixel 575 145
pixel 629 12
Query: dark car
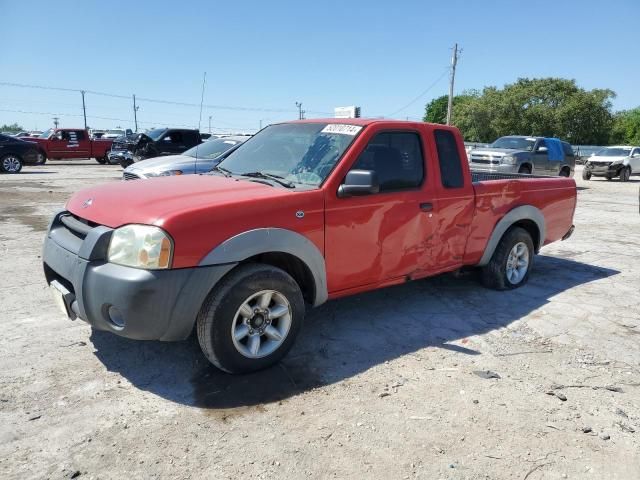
pixel 15 152
pixel 155 143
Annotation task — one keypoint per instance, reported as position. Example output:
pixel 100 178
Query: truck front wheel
pixel 511 262
pixel 251 319
pixel 102 160
pixel 586 174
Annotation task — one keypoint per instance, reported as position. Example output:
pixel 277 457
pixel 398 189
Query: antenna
pixel 204 81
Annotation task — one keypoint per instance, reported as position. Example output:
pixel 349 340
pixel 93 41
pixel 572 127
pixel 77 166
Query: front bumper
pixel 119 156
pixel 604 170
pixel 130 302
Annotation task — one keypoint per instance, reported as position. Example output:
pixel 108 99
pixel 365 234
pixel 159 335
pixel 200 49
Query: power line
pixel 422 94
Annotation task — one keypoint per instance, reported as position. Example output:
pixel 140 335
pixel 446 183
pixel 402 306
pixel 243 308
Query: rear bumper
pixel 130 302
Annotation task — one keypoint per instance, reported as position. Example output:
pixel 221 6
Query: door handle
pixel 426 207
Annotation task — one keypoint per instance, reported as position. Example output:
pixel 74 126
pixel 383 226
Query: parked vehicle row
pixel 155 143
pixel 525 155
pixel 301 213
pixel 619 161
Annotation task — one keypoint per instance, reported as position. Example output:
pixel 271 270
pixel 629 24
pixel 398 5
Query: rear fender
pixel 525 212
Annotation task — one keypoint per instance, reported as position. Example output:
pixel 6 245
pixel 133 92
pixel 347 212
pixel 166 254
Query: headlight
pixel 141 246
pixel 166 173
pixel 616 162
pixel 508 159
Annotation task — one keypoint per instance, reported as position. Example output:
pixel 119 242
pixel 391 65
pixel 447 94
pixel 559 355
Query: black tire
pixel 42 158
pixel 101 160
pixel 625 173
pixel 525 169
pixel 216 318
pixel 608 178
pixel 586 174
pixel 125 163
pixel 565 172
pixel 10 163
pixel 494 274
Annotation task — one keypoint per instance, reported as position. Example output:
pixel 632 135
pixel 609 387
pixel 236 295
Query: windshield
pixel 46 133
pixel 211 149
pixel 115 132
pixel 302 153
pixel 516 143
pixel 614 152
pixel 155 134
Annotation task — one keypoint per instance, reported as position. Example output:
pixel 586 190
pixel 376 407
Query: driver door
pixel 375 238
pixel 540 157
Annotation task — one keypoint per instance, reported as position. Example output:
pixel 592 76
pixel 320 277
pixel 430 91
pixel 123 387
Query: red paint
pixel 83 148
pixel 368 242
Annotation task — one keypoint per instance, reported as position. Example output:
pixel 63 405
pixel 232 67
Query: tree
pixel 436 110
pixel 13 128
pixel 553 107
pixel 626 127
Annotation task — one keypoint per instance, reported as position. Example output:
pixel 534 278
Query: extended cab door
pixel 382 237
pixel 634 161
pixel 69 144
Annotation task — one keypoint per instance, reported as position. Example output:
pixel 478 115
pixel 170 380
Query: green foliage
pixel 626 127
pixel 553 107
pixel 13 128
pixel 436 110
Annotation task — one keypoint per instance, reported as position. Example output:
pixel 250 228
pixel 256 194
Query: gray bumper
pixel 146 304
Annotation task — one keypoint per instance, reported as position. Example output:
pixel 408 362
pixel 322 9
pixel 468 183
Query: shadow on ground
pixel 345 337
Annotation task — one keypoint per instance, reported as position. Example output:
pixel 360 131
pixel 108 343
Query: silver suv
pixel 520 154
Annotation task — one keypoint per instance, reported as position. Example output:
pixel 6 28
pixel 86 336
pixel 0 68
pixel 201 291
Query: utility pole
pixel 300 111
pixel 260 124
pixel 55 121
pixel 84 110
pixel 135 112
pixel 209 124
pixel 454 62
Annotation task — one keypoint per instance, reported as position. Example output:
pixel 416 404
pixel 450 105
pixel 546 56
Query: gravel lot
pixel 390 384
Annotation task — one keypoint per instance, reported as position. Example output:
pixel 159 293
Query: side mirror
pixel 542 150
pixel 359 182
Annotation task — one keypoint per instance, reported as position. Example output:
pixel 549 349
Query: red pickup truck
pixel 302 213
pixel 62 143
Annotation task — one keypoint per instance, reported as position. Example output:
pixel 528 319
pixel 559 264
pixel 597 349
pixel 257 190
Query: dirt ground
pixel 438 378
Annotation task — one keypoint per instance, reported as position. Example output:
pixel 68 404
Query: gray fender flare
pixel 266 240
pixel 525 212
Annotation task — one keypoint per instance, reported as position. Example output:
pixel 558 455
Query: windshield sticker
pixel 342 129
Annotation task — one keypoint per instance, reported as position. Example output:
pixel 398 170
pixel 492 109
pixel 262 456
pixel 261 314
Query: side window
pixel 636 151
pixel 568 150
pixel 397 159
pixel 80 135
pixel 541 144
pixel 175 137
pixel 449 159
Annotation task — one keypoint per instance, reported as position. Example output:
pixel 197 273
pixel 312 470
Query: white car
pixel 609 162
pixel 117 132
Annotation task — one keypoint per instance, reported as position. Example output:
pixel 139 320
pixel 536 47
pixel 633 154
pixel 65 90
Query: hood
pixel 158 200
pixel 159 163
pixel 497 152
pixel 597 158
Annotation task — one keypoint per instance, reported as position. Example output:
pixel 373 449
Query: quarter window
pixel 397 159
pixel 449 159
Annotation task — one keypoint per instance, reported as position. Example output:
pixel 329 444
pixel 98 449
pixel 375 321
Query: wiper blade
pixel 224 171
pixel 276 178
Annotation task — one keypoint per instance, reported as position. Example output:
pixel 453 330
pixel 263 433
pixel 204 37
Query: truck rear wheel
pixel 526 169
pixel 102 160
pixel 251 319
pixel 511 262
pixel 586 174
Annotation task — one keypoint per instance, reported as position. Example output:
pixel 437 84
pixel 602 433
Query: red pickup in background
pixel 63 143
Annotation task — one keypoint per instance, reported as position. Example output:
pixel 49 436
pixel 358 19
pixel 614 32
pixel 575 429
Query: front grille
pixel 130 176
pixel 79 227
pixel 485 159
pixel 600 164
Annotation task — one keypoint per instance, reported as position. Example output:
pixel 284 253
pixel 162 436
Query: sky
pixel 261 57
